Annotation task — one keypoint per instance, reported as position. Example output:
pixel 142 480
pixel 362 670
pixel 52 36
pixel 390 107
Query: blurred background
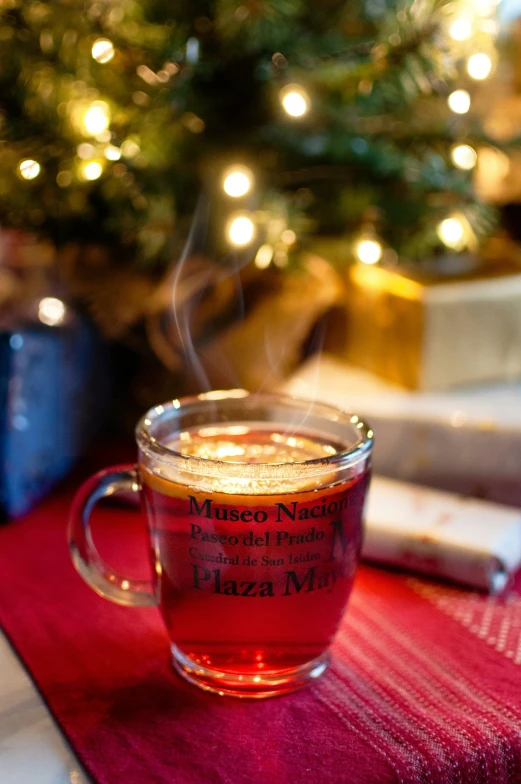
pixel 321 197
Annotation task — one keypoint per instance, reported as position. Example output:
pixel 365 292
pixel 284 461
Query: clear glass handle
pixel 86 559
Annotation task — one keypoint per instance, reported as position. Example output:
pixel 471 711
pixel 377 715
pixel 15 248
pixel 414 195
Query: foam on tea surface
pixel 240 444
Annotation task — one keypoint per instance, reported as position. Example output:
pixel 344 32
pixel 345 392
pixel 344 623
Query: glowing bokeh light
pixel 85 151
pixel 368 251
pixel 264 256
pixel 92 170
pixel 459 101
pixel 130 148
pixel 102 50
pixel 464 156
pixel 51 311
pixel 485 7
pixel 294 100
pixel 29 169
pixel 451 232
pixel 460 29
pixel 237 181
pixel 241 230
pixel 96 119
pixel 479 66
pixel 112 153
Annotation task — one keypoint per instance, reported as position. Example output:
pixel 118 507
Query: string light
pixel 130 148
pixel 92 170
pixel 460 29
pixel 96 119
pixel 295 101
pixel 241 230
pixel 463 156
pixel 459 101
pixel 104 136
pixel 147 74
pixel 112 153
pixel 484 7
pixel 102 50
pixel 237 181
pixel 85 151
pixel 264 256
pixel 451 232
pixel 479 66
pixel 29 169
pixel 288 237
pixel 51 311
pixel 280 258
pixel 192 51
pixel 368 251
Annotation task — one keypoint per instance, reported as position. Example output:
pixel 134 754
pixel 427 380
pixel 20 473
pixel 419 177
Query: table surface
pixel 32 748
pixel 426 680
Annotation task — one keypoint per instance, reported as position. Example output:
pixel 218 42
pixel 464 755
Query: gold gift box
pixel 429 332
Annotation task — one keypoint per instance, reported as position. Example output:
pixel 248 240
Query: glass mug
pixel 254 506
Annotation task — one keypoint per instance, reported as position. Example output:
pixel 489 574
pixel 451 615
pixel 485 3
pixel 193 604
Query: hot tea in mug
pixel 254 507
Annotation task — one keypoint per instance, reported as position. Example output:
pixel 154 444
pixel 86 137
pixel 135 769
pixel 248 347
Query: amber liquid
pixel 253 579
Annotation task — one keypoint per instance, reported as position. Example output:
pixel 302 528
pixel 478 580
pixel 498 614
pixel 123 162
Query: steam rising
pixel 204 302
pixel 199 270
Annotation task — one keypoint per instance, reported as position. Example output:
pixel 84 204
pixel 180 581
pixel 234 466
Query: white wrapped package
pixel 465 540
pixel 464 440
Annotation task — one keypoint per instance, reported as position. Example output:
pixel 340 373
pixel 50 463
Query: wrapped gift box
pixel 467 541
pixel 465 440
pixel 53 390
pixel 429 331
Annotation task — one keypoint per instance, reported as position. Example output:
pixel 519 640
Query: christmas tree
pixel 332 117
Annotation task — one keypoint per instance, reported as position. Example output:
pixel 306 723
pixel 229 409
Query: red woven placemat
pixel 425 685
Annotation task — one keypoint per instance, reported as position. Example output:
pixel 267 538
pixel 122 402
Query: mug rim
pixel 202 465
